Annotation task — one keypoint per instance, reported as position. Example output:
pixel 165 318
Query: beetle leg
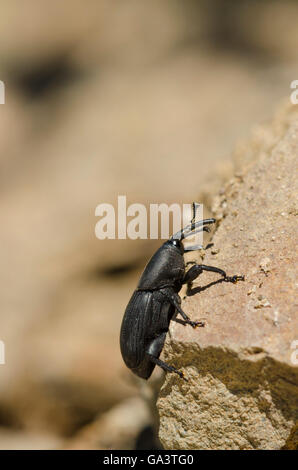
pixel 192 274
pixel 176 301
pixel 166 366
pixel 154 351
pixel 197 269
pixel 185 317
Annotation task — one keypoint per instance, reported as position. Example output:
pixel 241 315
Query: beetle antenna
pixel 193 220
pixel 201 229
pixel 189 229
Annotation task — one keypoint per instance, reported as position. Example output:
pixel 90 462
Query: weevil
pixel 156 301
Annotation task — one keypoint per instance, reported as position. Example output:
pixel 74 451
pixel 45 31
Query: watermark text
pixel 2 92
pixel 2 352
pixel 294 94
pixel 160 221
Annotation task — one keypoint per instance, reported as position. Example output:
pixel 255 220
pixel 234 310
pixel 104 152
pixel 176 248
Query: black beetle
pixel 155 301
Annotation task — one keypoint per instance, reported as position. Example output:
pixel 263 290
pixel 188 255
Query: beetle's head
pixel 178 244
pixel 191 229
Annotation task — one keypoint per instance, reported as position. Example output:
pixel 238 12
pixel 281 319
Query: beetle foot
pixel 234 279
pixel 182 376
pixel 197 324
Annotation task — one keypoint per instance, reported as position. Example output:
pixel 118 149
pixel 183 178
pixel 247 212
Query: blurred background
pixel 144 99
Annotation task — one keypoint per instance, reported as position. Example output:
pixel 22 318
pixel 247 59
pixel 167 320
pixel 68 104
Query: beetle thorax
pixel 165 268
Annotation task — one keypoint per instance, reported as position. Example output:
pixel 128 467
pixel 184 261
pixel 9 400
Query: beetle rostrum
pixel 156 301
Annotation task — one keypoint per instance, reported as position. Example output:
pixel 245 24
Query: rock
pixel 242 377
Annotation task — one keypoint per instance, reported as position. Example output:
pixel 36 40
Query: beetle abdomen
pixel 134 328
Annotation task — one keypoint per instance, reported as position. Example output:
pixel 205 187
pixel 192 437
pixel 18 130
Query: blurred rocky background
pixel 145 99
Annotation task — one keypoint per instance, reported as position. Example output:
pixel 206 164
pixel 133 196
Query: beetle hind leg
pixel 166 366
pixel 154 351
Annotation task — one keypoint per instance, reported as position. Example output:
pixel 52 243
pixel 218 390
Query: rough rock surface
pixel 242 378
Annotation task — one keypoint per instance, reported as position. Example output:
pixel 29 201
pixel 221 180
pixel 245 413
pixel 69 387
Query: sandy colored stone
pixel 242 380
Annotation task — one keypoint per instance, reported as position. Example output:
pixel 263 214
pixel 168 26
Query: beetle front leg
pixel 154 351
pixel 192 274
pixel 197 269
